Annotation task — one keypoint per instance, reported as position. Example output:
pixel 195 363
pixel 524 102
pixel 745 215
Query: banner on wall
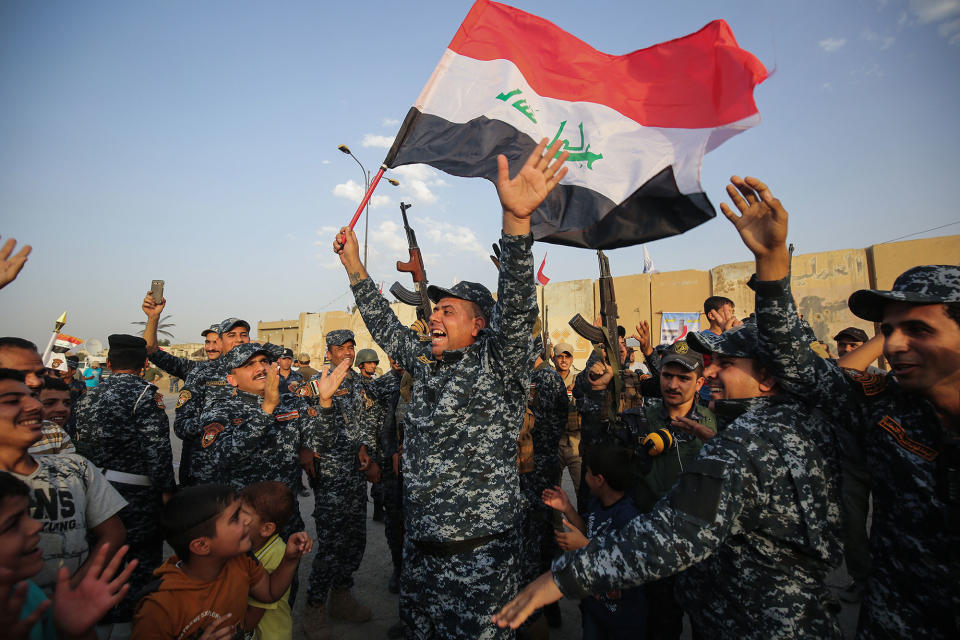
pixel 674 325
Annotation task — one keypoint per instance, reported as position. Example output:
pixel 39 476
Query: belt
pixel 127 478
pixel 453 547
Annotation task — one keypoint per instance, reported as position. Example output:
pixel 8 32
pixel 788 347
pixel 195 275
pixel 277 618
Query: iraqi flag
pixel 636 125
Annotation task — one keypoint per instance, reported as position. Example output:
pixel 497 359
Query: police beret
pixel 240 354
pixel 470 291
pixel 230 323
pixel 340 337
pixel 930 284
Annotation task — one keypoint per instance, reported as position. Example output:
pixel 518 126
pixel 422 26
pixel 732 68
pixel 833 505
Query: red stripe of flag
pixel 542 279
pixel 701 80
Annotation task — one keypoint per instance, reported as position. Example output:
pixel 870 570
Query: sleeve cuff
pixel 769 287
pixel 565 579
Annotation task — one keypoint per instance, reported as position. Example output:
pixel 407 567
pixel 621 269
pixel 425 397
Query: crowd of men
pixel 722 477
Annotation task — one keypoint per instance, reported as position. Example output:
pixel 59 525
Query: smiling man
pixel 471 383
pixel 908 423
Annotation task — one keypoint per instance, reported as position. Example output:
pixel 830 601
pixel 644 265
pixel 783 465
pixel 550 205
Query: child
pixel 68 495
pixel 622 613
pixel 25 611
pixel 269 505
pixel 205 586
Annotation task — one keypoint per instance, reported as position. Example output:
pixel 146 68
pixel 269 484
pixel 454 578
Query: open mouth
pixel 260 376
pixel 436 334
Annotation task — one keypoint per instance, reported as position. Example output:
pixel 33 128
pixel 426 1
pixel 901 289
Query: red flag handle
pixel 366 197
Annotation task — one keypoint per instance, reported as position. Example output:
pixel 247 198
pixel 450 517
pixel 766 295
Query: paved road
pixel 371 580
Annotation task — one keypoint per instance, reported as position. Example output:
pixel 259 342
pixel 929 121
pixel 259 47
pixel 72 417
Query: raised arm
pixel 784 345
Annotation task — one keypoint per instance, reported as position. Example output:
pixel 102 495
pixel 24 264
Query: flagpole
pixel 366 197
pixel 59 324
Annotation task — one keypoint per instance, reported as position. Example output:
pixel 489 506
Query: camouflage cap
pixel 240 354
pixel 680 353
pixel 852 333
pixel 230 323
pixel 366 355
pixel 739 342
pixel 340 337
pixel 470 291
pixel 563 347
pixel 214 328
pixel 930 284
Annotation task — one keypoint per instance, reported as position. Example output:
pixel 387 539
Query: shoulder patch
pixel 892 426
pixel 158 398
pixel 210 433
pixel 183 398
pixel 289 415
pixel 312 412
pixel 303 391
pixel 216 383
pixel 872 383
pixel 292 386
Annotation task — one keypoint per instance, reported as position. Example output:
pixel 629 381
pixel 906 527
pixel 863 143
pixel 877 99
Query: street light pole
pixel 366 186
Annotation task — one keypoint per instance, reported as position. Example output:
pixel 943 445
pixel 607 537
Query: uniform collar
pixel 729 410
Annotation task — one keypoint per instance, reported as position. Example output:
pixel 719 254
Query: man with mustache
pixel 907 424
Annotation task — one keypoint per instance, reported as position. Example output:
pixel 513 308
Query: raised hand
pixel 77 609
pixel 271 395
pixel 346 245
pixel 10 267
pixel 643 337
pixel 330 381
pixel 572 539
pixel 762 225
pixel 152 308
pixel 520 196
pixel 556 498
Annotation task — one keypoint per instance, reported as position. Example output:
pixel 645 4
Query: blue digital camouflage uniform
pixel 122 426
pixel 548 406
pixel 204 388
pixel 914 588
pixel 461 490
pixel 245 445
pixel 340 486
pixel 754 520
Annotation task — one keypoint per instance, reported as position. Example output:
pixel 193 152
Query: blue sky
pixel 197 143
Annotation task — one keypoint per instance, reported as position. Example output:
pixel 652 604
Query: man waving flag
pixel 636 125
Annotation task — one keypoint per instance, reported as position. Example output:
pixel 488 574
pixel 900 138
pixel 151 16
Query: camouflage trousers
pixel 538 543
pixel 340 513
pixel 140 518
pixel 454 596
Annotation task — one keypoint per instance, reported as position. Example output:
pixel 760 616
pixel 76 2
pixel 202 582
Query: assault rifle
pixel 606 334
pixel 414 266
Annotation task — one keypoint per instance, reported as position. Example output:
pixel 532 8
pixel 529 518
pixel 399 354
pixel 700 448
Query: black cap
pixel 287 353
pixel 680 353
pixel 470 291
pixel 930 284
pixel 852 333
pixel 124 341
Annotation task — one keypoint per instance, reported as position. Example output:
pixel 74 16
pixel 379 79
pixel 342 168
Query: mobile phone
pixel 632 342
pixel 156 291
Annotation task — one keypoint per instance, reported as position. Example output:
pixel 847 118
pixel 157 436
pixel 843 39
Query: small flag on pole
pixel 636 125
pixel 647 261
pixel 542 279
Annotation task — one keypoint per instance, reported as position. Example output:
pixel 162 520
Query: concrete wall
pixel 563 301
pixel 282 332
pixel 891 259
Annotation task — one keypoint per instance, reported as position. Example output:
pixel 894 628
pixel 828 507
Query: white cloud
pixel 324 162
pixel 353 191
pixel 390 235
pixel 390 122
pixel 831 45
pixel 453 240
pixel 871 70
pixel 380 142
pixel 928 11
pixel 826 86
pixel 327 230
pixel 950 31
pixel 870 35
pixel 417 180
